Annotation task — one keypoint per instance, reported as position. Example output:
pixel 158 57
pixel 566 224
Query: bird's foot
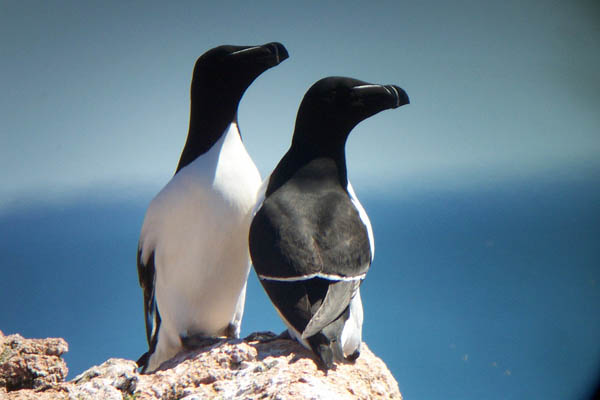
pixel 198 341
pixel 231 331
pixel 353 357
pixel 267 336
pixel 285 335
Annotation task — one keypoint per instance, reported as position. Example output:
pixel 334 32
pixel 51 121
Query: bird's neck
pixel 305 164
pixel 208 122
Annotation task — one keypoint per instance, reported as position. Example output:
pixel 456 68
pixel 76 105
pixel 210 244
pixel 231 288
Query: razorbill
pixel 310 240
pixel 193 259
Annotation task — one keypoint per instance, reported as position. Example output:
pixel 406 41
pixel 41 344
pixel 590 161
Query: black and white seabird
pixel 193 259
pixel 310 240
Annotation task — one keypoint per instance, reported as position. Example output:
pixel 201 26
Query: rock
pixel 261 366
pixel 31 363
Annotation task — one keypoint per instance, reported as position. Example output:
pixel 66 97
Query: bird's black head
pixel 333 106
pixel 222 75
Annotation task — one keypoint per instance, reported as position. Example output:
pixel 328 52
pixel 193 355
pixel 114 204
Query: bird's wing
pixel 146 273
pixel 363 216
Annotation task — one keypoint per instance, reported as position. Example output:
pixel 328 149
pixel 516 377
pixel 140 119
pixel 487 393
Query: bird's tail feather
pixel 323 348
pixel 327 344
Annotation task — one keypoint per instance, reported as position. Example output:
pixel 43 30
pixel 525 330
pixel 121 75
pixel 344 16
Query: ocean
pixel 479 292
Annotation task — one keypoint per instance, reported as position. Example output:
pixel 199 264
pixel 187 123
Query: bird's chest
pixel 226 173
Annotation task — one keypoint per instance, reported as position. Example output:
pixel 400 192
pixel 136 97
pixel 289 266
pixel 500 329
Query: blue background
pixel 484 193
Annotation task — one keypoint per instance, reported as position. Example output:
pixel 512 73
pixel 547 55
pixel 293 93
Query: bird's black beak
pixel 400 98
pixel 270 54
pixel 278 51
pixel 387 96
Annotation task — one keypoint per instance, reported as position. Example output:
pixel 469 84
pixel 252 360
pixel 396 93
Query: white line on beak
pixel 365 87
pixel 243 50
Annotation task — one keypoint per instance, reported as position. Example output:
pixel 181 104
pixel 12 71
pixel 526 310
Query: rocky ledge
pixel 261 366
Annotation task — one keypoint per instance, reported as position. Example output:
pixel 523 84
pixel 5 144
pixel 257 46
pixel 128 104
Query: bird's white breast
pixel 198 228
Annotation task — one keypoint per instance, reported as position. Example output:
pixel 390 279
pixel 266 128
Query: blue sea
pixel 487 291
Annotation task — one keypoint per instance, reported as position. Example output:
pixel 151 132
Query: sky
pixel 98 93
pixel 504 95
